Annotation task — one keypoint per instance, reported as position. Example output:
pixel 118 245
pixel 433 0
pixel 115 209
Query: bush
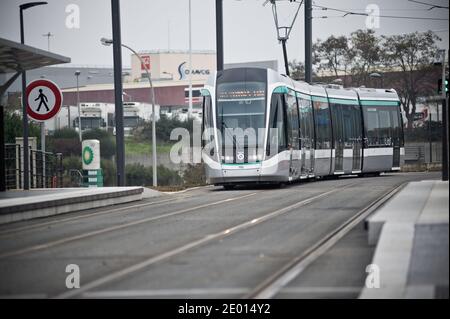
pixel 139 175
pixel 14 128
pixel 194 175
pixel 107 141
pixel 71 162
pixel 163 128
pixel 65 141
pixel 109 172
pixel 65 133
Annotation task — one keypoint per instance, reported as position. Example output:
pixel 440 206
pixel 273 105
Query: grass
pixel 140 148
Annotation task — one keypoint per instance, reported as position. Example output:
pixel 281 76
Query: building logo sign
pixel 184 72
pixel 145 65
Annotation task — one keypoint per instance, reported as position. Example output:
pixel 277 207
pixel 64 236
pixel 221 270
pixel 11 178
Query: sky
pixel 249 30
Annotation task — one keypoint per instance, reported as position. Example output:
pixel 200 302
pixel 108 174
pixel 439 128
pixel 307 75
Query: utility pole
pixel 219 34
pixel 48 35
pixel 26 155
pixel 117 55
pixel 308 41
pixel 77 74
pixel 444 124
pixel 190 63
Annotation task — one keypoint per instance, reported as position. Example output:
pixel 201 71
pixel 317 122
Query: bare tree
pixel 412 54
pixel 333 55
pixel 367 55
pixel 297 70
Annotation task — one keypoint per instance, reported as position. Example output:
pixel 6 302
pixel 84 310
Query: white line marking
pixel 117 227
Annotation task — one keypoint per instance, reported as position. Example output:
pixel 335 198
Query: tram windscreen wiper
pixel 235 143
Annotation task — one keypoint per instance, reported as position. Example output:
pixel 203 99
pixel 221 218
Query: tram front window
pixel 240 105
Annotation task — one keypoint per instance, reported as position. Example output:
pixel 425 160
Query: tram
pixel 263 127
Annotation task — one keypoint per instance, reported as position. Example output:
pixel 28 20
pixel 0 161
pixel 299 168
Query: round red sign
pixel 44 100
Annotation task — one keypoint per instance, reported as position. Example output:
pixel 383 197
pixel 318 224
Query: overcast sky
pixel 249 32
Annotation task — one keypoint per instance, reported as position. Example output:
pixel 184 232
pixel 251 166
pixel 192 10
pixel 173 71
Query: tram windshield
pixel 240 105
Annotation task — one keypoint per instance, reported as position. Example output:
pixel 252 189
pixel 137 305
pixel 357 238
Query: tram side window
pixel 347 124
pixel 382 126
pixel 323 125
pixel 277 125
pixel 207 115
pixel 306 122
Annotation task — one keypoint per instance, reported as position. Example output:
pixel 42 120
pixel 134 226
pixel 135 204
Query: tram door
pixel 306 137
pixel 293 135
pixel 396 137
pixel 338 130
pixel 356 137
pixel 348 136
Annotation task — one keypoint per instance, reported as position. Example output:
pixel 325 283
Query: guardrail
pixel 45 169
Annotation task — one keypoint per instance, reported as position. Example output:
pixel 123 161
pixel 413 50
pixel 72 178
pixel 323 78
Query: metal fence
pixel 46 170
pixel 423 152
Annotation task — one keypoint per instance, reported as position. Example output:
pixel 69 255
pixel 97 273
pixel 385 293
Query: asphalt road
pixel 202 243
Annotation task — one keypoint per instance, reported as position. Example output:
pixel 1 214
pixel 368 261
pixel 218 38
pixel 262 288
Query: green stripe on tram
pixel 303 96
pixel 319 99
pixel 379 103
pixel 281 89
pixel 205 92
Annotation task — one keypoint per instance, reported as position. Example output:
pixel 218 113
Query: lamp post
pixel 77 74
pixel 108 42
pixel 377 75
pixel 26 169
pixel 190 63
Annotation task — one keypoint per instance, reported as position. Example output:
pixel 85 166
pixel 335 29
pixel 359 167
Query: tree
pixel 14 128
pixel 413 54
pixel 297 70
pixel 333 55
pixel 366 55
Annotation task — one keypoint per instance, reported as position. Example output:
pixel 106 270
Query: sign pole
pixel 44 184
pixel 26 170
pixel 117 57
pixel 444 125
pixel 219 34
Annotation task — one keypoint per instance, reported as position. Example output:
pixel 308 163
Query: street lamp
pixel 108 42
pixel 77 74
pixel 26 170
pixel 377 75
pixel 190 63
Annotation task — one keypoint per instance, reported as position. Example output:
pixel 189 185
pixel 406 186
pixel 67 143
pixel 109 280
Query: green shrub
pixel 194 175
pixel 71 162
pixel 13 128
pixel 109 172
pixel 163 128
pixel 65 133
pixel 139 175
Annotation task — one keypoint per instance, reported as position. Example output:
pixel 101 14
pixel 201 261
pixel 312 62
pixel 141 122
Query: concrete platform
pixel 412 237
pixel 22 205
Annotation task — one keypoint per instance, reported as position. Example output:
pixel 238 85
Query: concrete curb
pixel 65 201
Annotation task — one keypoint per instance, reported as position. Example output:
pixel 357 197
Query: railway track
pixel 136 267
pixel 270 286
